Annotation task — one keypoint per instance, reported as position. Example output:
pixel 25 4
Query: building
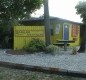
pixel 60 29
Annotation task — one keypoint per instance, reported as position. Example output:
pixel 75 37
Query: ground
pixel 63 60
pixel 15 74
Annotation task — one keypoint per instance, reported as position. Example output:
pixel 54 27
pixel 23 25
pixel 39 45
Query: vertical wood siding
pixel 24 34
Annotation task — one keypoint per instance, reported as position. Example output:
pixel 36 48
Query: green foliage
pixel 35 45
pixel 11 10
pixel 81 10
pixel 52 49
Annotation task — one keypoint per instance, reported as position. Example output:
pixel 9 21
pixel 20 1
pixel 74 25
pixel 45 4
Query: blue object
pixel 66 32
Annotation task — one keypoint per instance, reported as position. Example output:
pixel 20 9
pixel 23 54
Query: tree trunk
pixel 82 47
pixel 82 38
pixel 46 23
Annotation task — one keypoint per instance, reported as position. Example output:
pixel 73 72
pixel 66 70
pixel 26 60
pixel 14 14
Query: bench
pixel 64 43
pixel 60 44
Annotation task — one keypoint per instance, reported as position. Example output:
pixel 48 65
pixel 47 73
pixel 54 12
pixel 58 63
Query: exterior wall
pixel 59 36
pixel 23 34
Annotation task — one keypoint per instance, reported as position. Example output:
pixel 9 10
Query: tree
pixel 46 23
pixel 13 10
pixel 81 10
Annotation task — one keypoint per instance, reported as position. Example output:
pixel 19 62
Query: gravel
pixel 63 60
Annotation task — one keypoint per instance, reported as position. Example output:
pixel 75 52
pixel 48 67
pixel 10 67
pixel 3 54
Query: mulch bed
pixel 17 52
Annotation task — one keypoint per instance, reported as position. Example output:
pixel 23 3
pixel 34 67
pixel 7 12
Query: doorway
pixel 66 32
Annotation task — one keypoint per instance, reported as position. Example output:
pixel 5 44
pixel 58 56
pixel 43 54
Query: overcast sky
pixel 61 8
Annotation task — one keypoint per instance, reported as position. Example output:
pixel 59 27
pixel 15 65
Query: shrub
pixel 52 49
pixel 35 45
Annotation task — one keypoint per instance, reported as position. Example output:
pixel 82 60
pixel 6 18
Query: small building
pixel 60 29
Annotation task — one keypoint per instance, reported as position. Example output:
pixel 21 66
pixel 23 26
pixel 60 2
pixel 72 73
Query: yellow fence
pixel 24 34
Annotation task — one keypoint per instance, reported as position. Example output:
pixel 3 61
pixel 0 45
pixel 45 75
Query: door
pixel 66 32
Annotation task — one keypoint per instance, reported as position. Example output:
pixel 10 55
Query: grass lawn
pixel 15 74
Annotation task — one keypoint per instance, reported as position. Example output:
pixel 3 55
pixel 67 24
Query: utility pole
pixel 46 23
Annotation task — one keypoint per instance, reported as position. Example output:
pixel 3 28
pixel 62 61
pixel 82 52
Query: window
pixel 57 30
pixel 74 30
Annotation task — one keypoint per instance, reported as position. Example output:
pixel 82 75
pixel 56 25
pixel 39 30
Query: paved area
pixel 63 60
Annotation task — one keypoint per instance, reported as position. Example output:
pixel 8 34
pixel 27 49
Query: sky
pixel 61 8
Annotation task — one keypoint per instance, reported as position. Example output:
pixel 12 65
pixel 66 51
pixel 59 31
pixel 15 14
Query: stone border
pixel 49 70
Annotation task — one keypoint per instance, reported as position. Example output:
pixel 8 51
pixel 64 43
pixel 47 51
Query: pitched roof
pixel 51 19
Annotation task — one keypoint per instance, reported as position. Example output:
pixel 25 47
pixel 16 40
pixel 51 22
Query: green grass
pixel 15 74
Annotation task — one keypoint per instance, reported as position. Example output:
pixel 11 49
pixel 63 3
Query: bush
pixel 35 45
pixel 52 49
